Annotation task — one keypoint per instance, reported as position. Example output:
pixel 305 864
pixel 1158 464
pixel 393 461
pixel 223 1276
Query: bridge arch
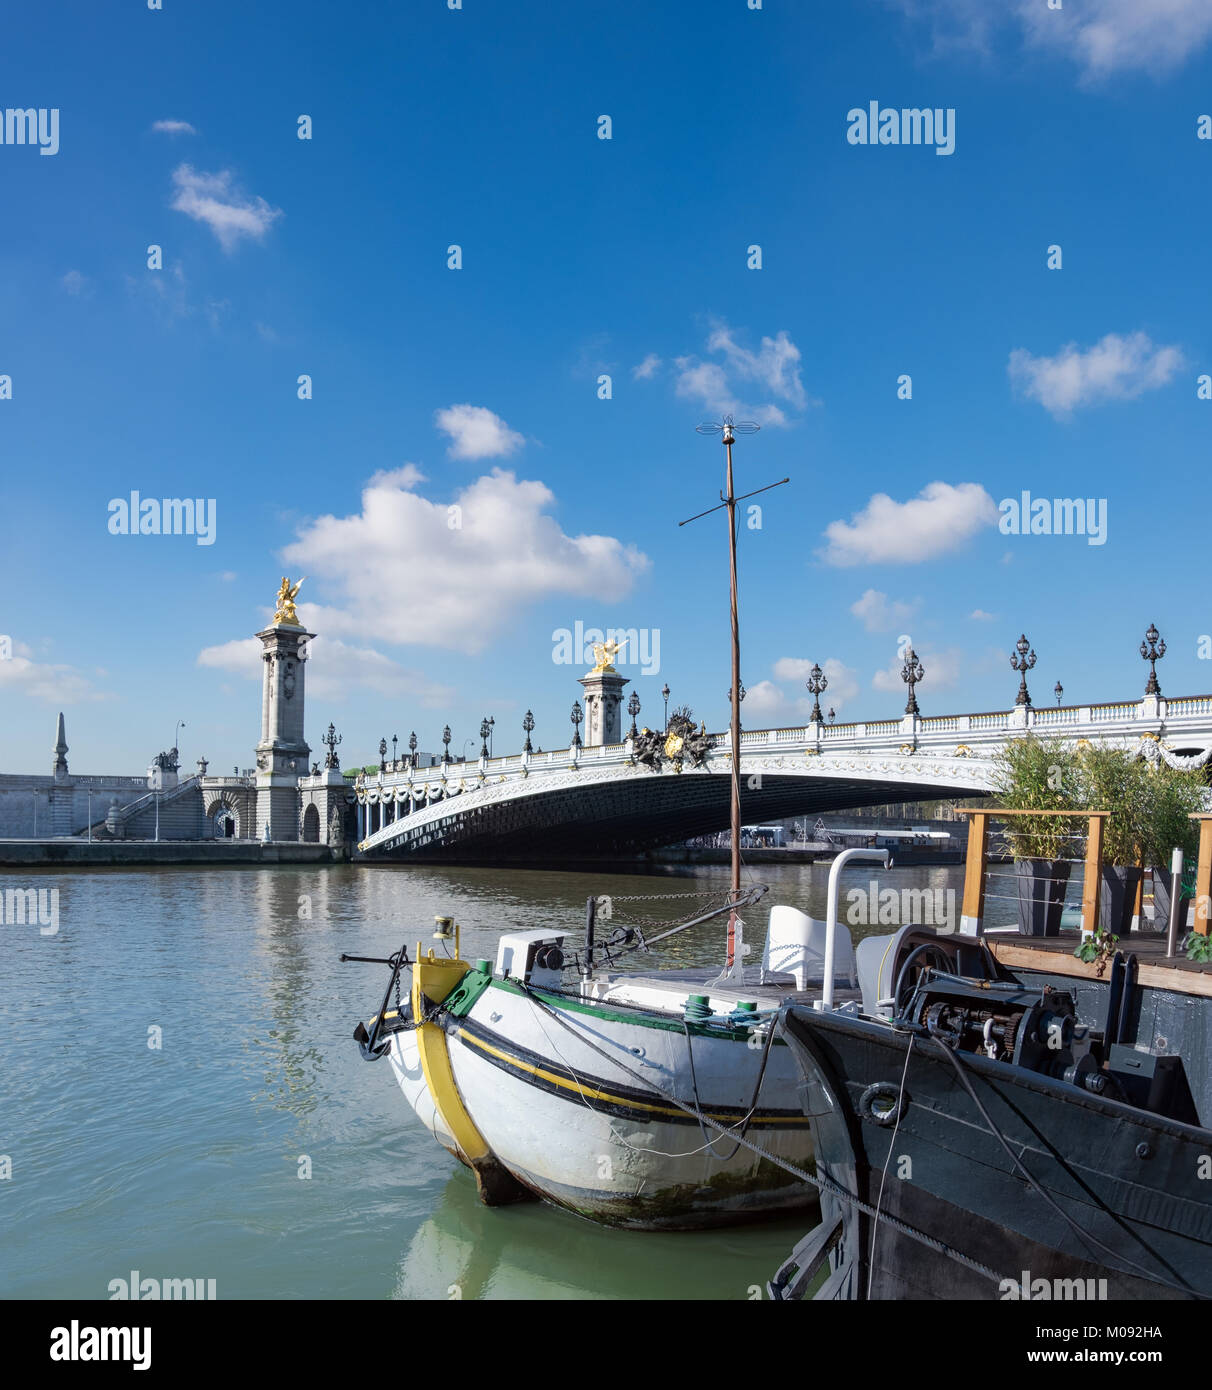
pixel 223 813
pixel 621 809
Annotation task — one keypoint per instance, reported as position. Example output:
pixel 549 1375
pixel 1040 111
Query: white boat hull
pixel 572 1099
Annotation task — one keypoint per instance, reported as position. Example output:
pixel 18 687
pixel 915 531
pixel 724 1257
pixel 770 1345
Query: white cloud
pixel 939 519
pixel 73 282
pixel 406 569
pixel 216 201
pixel 476 433
pixel 979 615
pixel 333 669
pixel 21 675
pixel 878 613
pixel 1115 368
pixel 1101 36
pixel 942 670
pixel 648 368
pixel 719 385
pixel 174 128
pixel 776 366
pixel 771 702
pixel 242 656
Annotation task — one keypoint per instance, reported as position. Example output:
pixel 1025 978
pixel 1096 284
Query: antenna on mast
pixel 728 429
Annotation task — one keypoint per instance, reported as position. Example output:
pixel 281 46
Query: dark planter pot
pixel 1117 897
pixel 1162 895
pixel 1041 895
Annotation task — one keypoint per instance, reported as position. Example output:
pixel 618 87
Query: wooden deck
pixel 1055 953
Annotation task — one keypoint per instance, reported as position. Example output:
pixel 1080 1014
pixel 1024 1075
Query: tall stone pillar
pixel 283 753
pixel 62 794
pixel 603 705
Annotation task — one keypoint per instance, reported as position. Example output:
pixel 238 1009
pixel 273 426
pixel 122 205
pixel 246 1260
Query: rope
pixel 879 1201
pixel 1046 1195
pixel 820 1182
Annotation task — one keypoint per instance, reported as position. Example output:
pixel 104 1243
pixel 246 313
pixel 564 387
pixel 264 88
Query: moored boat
pixel 995 1119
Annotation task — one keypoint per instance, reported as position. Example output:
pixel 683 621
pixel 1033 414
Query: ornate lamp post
pixel 330 741
pixel 577 715
pixel 912 672
pixel 665 693
pixel 446 744
pixel 492 723
pixel 528 728
pixel 1059 691
pixel 395 738
pixel 1152 649
pixel 831 715
pixel 382 755
pixel 816 682
pixel 633 708
pixel 1022 663
pixel 412 748
pixel 484 732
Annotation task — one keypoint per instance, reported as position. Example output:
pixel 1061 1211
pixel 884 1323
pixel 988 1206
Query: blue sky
pixel 583 257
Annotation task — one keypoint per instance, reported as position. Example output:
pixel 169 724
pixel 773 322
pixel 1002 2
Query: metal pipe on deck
pixel 1176 901
pixel 826 999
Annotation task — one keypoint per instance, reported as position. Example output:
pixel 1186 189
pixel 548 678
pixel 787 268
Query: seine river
pixel 177 1057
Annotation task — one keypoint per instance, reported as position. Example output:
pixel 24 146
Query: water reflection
pixel 183 1160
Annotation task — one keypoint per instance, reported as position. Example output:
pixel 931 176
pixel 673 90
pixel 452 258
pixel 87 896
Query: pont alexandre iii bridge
pixel 606 798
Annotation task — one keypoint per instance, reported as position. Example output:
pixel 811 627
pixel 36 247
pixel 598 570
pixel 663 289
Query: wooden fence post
pixel 974 874
pixel 1203 875
pixel 1094 859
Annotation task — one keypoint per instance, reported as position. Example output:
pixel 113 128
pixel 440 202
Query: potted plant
pixel 1034 774
pixel 1112 780
pixel 1172 796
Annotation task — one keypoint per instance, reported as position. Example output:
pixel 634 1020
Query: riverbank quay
pixel 150 853
pixel 798 854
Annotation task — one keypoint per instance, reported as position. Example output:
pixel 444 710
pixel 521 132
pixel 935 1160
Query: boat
pixel 997 1118
pixel 626 1096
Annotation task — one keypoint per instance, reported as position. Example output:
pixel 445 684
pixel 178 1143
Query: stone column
pixel 603 706
pixel 283 754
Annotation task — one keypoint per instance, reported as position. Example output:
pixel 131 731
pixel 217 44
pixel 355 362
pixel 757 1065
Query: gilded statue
pixel 285 614
pixel 604 654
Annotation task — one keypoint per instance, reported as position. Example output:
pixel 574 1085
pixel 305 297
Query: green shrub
pixel 1038 774
pixel 1111 779
pixel 1173 795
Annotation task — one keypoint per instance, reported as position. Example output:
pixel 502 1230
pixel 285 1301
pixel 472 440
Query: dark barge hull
pixel 1127 1177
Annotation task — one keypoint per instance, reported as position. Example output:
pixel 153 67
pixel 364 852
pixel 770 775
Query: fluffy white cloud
pixel 1115 368
pixel 216 201
pixel 723 385
pixel 878 613
pixel 1101 36
pixel 73 282
pixel 20 674
pixel 174 128
pixel 980 616
pixel 942 671
pixel 772 704
pixel 476 433
pixel 333 668
pixel 939 519
pixel 648 368
pixel 406 569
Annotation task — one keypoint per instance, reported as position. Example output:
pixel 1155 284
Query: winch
pixel 1032 1028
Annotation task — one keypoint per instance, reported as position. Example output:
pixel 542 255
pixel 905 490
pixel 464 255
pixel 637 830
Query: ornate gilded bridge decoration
pixel 604 654
pixel 284 613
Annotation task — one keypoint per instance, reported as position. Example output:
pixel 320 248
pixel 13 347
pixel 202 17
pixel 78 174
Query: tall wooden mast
pixel 728 500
